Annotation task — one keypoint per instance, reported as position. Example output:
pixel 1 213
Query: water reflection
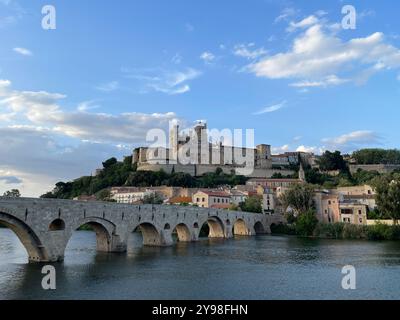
pixel 262 267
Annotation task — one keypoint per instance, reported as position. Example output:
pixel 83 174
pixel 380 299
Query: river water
pixel 262 267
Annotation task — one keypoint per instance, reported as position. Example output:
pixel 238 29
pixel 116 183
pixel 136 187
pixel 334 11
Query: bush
pixel 306 223
pixel 330 230
pixel 283 229
pixel 352 231
pixel 383 232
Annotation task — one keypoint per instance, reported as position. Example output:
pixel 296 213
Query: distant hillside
pixel 115 173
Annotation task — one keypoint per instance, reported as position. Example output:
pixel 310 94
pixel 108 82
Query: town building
pixel 212 199
pixel 130 195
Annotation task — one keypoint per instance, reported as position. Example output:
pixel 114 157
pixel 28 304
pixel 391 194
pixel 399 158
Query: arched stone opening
pixel 167 226
pixel 31 242
pixel 259 228
pixel 183 233
pixel 150 234
pixel 57 225
pixel 103 236
pixel 213 228
pixel 196 225
pixel 240 228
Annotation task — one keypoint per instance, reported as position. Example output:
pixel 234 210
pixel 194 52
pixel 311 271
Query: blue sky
pixel 112 70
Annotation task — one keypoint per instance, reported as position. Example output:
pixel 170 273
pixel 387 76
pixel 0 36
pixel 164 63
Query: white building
pixel 130 195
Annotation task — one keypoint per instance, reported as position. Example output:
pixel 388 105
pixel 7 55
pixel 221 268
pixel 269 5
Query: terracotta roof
pixel 180 200
pixel 216 193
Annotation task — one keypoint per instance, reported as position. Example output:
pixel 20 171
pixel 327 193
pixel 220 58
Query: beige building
pixel 273 184
pixel 354 213
pixel 212 199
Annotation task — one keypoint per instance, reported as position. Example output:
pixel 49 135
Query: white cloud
pixel 248 51
pixel 285 14
pixel 308 149
pixel 42 109
pixel 306 22
pixel 165 81
pixel 272 108
pixel 281 149
pixel 353 139
pixel 328 81
pixel 23 51
pixel 207 57
pixel 108 87
pixel 87 105
pixel 177 59
pixel 317 56
pixel 38 160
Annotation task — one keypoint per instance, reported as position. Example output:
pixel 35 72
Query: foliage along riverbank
pixel 342 231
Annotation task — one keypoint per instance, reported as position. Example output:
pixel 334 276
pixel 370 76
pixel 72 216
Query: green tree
pixel 105 195
pixel 387 190
pixel 152 199
pixel 299 197
pixel 377 156
pixel 14 193
pixel 306 223
pixel 252 204
pixel 110 162
pixel 332 161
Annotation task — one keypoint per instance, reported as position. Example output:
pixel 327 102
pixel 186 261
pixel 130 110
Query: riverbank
pixel 345 231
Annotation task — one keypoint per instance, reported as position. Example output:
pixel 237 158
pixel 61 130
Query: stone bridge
pixel 45 226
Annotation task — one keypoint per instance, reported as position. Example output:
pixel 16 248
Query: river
pixel 262 267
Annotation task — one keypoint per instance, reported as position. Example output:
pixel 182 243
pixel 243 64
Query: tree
pixel 387 190
pixel 332 161
pixel 104 195
pixel 299 197
pixel 377 156
pixel 152 199
pixel 306 223
pixel 14 193
pixel 252 204
pixel 110 162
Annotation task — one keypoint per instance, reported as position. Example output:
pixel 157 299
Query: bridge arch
pixel 31 242
pixel 150 233
pixel 240 228
pixel 183 232
pixel 216 227
pixel 104 230
pixel 57 225
pixel 259 228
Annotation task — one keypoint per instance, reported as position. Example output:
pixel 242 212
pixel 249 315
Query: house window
pixel 204 199
pixel 198 199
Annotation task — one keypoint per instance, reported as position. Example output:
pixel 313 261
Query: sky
pixel 92 88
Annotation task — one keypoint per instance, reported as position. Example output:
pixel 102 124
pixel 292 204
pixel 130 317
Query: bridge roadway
pixel 45 226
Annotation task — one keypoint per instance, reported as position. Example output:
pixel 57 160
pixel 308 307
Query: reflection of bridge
pixel 45 226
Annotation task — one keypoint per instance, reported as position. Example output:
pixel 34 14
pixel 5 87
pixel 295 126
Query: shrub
pixel 306 223
pixel 283 229
pixel 352 231
pixel 329 230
